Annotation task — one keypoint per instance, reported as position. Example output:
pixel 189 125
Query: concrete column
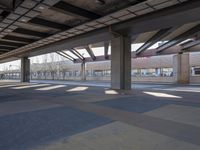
pixel 121 62
pixel 25 69
pixel 181 68
pixel 83 75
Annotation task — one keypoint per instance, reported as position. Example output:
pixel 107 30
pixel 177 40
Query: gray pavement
pixel 57 115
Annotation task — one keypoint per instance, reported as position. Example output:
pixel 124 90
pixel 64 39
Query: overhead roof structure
pixel 33 27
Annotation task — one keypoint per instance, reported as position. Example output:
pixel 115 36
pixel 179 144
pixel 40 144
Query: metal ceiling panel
pixel 79 32
pixel 112 21
pixel 157 2
pixel 89 29
pixel 7 21
pixel 3 25
pixel 120 14
pixel 81 27
pixel 24 19
pixel 7 31
pixel 167 4
pixel 41 7
pixel 92 23
pixel 13 27
pixel 21 10
pixel 4 33
pixel 13 16
pixel 32 14
pixel 100 25
pixel 50 2
pixel 104 19
pixel 127 17
pixel 29 4
pixel 137 7
pixel 144 11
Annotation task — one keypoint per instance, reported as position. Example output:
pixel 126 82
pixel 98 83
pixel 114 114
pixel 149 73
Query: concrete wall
pixel 149 62
pixel 154 79
pixel 195 79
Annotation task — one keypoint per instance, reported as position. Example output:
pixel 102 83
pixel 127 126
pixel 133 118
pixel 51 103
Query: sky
pixel 55 57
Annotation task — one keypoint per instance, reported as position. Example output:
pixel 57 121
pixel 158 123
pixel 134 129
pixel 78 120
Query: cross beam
pixel 77 54
pixel 75 11
pixel 20 39
pixel 90 52
pixel 191 44
pixel 157 37
pixel 179 38
pixel 31 32
pixel 47 23
pixel 61 54
pixel 10 44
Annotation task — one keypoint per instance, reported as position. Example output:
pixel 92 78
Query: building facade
pixel 146 69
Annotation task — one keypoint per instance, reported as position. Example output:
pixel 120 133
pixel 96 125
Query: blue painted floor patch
pixel 23 131
pixel 141 105
pixel 134 105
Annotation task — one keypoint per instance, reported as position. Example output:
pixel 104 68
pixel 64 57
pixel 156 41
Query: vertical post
pixel 121 62
pixel 83 75
pixel 25 69
pixel 181 67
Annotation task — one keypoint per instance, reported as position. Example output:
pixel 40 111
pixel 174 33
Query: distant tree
pixel 52 66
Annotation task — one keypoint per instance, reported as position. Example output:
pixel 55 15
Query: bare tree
pixel 52 66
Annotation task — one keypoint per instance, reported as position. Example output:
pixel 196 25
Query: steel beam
pixel 10 43
pixel 157 37
pixel 61 54
pixel 179 38
pixel 76 51
pixel 106 47
pixel 75 11
pixel 20 39
pixel 7 47
pixel 152 52
pixel 4 50
pixel 77 54
pixel 67 55
pixel 31 32
pixel 190 45
pixel 149 53
pixel 47 23
pixel 176 15
pixel 89 59
pixel 81 40
pixel 90 52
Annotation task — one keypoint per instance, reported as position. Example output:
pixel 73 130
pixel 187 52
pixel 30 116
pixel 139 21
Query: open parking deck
pixel 94 41
pixel 58 116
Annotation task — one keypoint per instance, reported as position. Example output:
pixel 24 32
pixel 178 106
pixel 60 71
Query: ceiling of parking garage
pixel 26 25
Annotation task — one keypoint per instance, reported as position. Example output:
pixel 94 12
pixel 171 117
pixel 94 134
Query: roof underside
pixel 29 24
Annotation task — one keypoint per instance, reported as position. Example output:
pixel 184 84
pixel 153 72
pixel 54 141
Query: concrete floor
pixel 74 116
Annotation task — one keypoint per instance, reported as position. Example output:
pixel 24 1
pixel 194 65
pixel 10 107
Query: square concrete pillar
pixel 83 67
pixel 25 69
pixel 181 68
pixel 121 62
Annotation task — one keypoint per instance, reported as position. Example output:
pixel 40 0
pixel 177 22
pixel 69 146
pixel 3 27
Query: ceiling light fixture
pixel 101 2
pixel 23 20
pixel 41 7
